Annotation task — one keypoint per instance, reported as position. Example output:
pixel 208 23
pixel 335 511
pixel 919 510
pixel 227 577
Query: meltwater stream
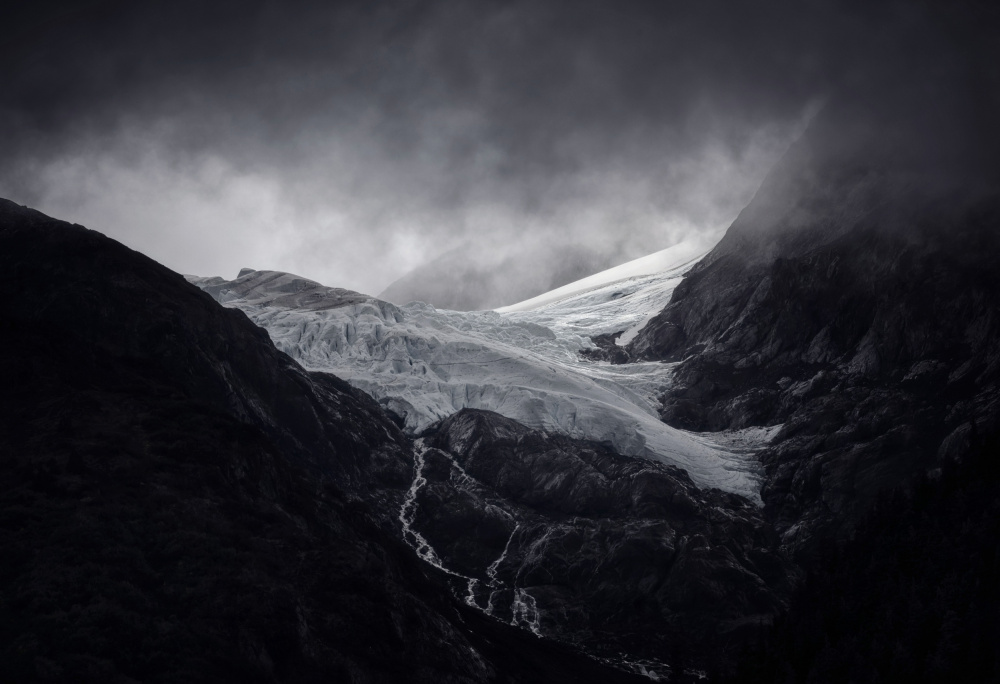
pixel 524 610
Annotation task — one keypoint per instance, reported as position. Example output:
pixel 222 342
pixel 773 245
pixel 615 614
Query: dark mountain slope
pixel 912 597
pixel 181 502
pixel 620 555
pixel 83 292
pixel 855 300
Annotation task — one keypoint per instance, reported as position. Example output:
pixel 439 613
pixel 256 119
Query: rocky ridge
pixel 854 302
pixel 578 543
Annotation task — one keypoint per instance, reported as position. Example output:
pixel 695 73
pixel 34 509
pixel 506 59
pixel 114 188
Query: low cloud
pixel 351 143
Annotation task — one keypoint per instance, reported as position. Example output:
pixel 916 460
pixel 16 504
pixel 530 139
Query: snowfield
pixel 521 361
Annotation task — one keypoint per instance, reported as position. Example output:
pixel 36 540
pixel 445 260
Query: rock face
pixel 855 301
pixel 573 541
pixel 182 502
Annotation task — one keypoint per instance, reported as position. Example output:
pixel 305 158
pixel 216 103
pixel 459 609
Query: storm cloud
pixel 353 142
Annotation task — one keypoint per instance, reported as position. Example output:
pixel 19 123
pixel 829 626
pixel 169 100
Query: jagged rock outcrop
pixel 284 291
pixel 571 539
pixel 855 301
pixel 607 349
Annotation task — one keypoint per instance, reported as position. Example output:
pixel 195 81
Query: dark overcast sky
pixel 351 142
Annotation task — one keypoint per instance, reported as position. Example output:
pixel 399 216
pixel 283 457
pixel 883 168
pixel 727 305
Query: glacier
pixel 521 361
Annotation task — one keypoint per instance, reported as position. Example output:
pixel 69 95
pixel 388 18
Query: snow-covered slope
pixel 667 260
pixel 521 361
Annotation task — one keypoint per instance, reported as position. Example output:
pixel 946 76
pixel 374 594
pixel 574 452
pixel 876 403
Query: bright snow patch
pixel 680 256
pixel 521 361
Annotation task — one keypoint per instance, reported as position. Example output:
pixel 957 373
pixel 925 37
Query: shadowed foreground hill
pixel 179 501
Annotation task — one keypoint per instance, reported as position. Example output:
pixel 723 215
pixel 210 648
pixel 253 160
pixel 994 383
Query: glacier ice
pixel 521 361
